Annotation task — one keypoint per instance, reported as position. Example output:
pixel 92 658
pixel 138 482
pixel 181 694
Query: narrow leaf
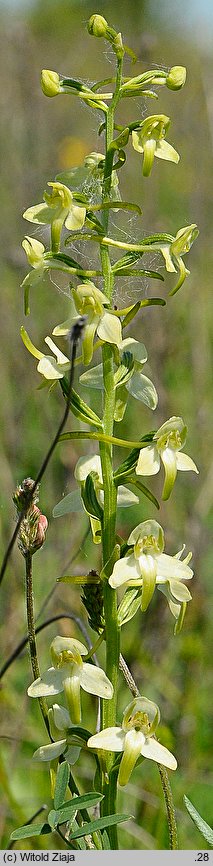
pixel 31 830
pixel 62 779
pixel 60 816
pixel 100 824
pixel 145 490
pixel 141 272
pixel 204 828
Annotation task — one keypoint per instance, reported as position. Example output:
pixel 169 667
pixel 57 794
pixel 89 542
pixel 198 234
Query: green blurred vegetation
pixel 38 138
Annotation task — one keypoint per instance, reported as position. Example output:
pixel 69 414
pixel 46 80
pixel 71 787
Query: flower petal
pixel 185 463
pixel 148 461
pixel 126 497
pixel 169 460
pixel 137 349
pixel 70 503
pixel 143 389
pixel 50 683
pixel 164 150
pixel 95 681
pixel 169 567
pixel 61 717
pixel 179 591
pixel 124 570
pixel 111 740
pixel 76 218
pixel 39 213
pixel 149 153
pixel 109 329
pixel 60 357
pixel 93 378
pixel 87 342
pixel 48 368
pixel 50 752
pixel 71 754
pixel 153 750
pixel 85 465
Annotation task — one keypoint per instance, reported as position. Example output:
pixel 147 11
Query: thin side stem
pixel 172 825
pixel 31 633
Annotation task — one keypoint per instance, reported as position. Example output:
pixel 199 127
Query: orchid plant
pixel 131 569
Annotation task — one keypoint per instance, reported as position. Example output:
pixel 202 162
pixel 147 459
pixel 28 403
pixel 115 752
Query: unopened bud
pixel 50 82
pixel 176 77
pixel 97 26
pixel 41 529
pixel 22 494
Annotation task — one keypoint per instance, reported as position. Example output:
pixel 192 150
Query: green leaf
pixel 90 500
pixel 31 830
pixel 68 809
pixel 62 779
pixel 79 408
pixel 115 205
pixel 204 828
pixel 100 824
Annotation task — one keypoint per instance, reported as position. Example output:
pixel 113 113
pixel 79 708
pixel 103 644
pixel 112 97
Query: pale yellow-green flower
pixel 89 302
pixel 147 566
pixel 166 446
pixel 149 139
pixel 58 207
pixel 69 673
pixel 135 737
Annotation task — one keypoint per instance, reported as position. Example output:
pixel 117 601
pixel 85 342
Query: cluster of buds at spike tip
pixel 135 737
pixel 98 26
pixel 34 525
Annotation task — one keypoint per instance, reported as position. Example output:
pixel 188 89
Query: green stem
pixel 112 631
pixel 31 633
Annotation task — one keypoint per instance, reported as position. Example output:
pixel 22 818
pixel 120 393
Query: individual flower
pixel 135 737
pixel 147 566
pixel 58 208
pixel 166 446
pixel 73 501
pixel 173 249
pixel 60 724
pixel 69 673
pixel 137 384
pixel 50 367
pixel 89 302
pixel 149 139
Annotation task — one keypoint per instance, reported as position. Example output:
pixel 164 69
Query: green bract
pixel 166 446
pixel 134 738
pixel 149 139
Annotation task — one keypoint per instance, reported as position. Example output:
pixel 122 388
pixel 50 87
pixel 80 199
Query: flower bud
pixel 176 77
pixel 22 494
pixel 50 82
pixel 41 529
pixel 97 26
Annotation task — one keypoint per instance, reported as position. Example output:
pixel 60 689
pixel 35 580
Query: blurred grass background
pixel 38 138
